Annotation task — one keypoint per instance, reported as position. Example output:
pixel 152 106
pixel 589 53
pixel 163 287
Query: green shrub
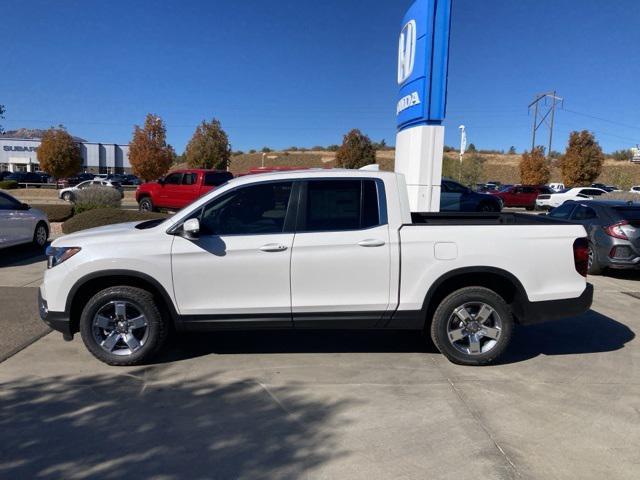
pixel 56 213
pixel 106 216
pixel 96 197
pixel 8 184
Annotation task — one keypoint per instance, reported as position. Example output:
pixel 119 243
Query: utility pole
pixel 463 146
pixel 550 112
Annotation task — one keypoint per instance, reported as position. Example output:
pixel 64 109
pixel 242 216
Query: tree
pixel 149 154
pixel 622 155
pixel 512 150
pixel 471 148
pixel 209 147
pixel 2 110
pixel 472 169
pixel 356 151
pixel 266 150
pixel 582 161
pixel 58 154
pixel 534 168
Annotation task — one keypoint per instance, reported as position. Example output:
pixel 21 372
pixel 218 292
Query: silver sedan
pixel 19 223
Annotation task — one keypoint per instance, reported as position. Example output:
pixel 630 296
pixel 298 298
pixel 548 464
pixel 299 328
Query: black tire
pixel 67 196
pixel 40 235
pixel 594 265
pixel 446 311
pixel 143 301
pixel 488 207
pixel 146 205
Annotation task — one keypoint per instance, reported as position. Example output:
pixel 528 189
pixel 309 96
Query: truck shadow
pixel 141 425
pixel 588 333
pixel 591 332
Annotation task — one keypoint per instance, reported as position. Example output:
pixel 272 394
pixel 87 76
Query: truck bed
pixel 477 218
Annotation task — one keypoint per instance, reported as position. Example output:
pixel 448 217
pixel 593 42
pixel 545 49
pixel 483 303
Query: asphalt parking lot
pixel 565 403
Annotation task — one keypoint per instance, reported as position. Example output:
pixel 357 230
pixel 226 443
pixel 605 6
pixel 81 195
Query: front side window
pixel 7 203
pixel 173 179
pixel 215 179
pixel 255 209
pixel 189 178
pixel 334 205
pixel 583 212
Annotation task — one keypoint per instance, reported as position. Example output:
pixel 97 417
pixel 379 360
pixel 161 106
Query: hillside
pixel 503 168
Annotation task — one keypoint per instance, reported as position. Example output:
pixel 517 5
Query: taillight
pixel 615 230
pixel 581 256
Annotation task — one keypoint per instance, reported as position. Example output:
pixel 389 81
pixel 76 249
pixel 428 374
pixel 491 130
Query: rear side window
pixel 631 214
pixel 563 211
pixel 215 179
pixel 189 178
pixel 334 205
pixel 583 212
pixel 592 192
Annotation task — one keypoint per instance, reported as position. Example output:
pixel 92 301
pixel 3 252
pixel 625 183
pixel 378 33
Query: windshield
pixel 629 213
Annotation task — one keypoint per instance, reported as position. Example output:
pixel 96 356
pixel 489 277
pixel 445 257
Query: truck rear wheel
pixel 472 326
pixel 146 205
pixel 122 326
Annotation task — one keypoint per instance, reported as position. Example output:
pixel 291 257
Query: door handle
pixel 371 242
pixel 273 247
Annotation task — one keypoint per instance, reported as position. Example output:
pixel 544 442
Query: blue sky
pixel 303 72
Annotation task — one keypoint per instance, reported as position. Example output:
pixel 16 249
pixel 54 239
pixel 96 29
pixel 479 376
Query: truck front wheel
pixel 146 205
pixel 472 326
pixel 123 326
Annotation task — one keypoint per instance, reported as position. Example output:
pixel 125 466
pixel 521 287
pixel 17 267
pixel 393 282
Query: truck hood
pixel 105 234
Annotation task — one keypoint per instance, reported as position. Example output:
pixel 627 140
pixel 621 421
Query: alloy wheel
pixel 120 327
pixel 474 328
pixel 41 235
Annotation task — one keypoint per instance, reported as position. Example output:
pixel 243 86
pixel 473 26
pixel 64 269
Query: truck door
pixel 169 191
pixel 237 270
pixel 189 189
pixel 341 256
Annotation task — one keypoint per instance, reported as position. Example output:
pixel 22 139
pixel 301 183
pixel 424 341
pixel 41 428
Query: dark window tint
pixel 528 189
pixel 341 205
pixel 453 187
pixel 583 212
pixel 545 190
pixel 215 179
pixel 592 192
pixel 7 203
pixel 628 213
pixel 173 179
pixel 250 210
pixel 189 178
pixel 563 211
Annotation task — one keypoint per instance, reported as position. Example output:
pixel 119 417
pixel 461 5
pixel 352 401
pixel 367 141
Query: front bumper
pixel 536 312
pixel 59 321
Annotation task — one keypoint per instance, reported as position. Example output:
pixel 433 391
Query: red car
pixel 521 195
pixel 179 188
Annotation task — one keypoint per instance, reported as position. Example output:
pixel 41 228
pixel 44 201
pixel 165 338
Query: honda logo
pixel 406 51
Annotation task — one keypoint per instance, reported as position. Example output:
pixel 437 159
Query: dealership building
pixel 20 155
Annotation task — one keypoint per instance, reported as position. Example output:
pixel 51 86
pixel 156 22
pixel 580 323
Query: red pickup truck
pixel 521 195
pixel 179 188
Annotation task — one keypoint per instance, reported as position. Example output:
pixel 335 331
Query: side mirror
pixel 25 206
pixel 161 181
pixel 191 228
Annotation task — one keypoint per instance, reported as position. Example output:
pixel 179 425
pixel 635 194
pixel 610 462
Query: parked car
pixel 553 200
pixel 179 188
pixel 69 194
pixel 130 180
pixel 25 177
pixel 606 188
pixel 521 195
pixel 556 187
pixel 635 189
pixel 613 228
pixel 230 261
pixel 75 180
pixel 4 174
pixel 458 198
pixel 19 223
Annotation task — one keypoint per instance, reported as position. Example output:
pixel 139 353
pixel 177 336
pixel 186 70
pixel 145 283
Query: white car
pixel 635 189
pixel 20 223
pixel 314 249
pixel 553 200
pixel 556 187
pixel 68 194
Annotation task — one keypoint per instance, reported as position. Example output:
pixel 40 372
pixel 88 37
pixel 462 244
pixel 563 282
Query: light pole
pixel 463 146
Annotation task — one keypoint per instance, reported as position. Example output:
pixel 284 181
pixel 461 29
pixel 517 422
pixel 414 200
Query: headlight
pixel 57 255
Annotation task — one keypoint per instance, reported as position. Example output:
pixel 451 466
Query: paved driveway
pixel 564 405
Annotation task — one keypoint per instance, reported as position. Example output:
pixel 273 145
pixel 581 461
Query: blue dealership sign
pixel 423 57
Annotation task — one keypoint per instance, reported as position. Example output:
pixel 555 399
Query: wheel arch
pixel 92 283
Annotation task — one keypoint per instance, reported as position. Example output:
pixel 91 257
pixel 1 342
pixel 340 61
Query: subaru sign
pixel 423 56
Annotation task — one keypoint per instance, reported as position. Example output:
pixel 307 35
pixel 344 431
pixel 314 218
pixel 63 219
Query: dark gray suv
pixel 613 228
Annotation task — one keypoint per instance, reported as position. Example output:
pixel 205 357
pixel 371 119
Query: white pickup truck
pixel 334 249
